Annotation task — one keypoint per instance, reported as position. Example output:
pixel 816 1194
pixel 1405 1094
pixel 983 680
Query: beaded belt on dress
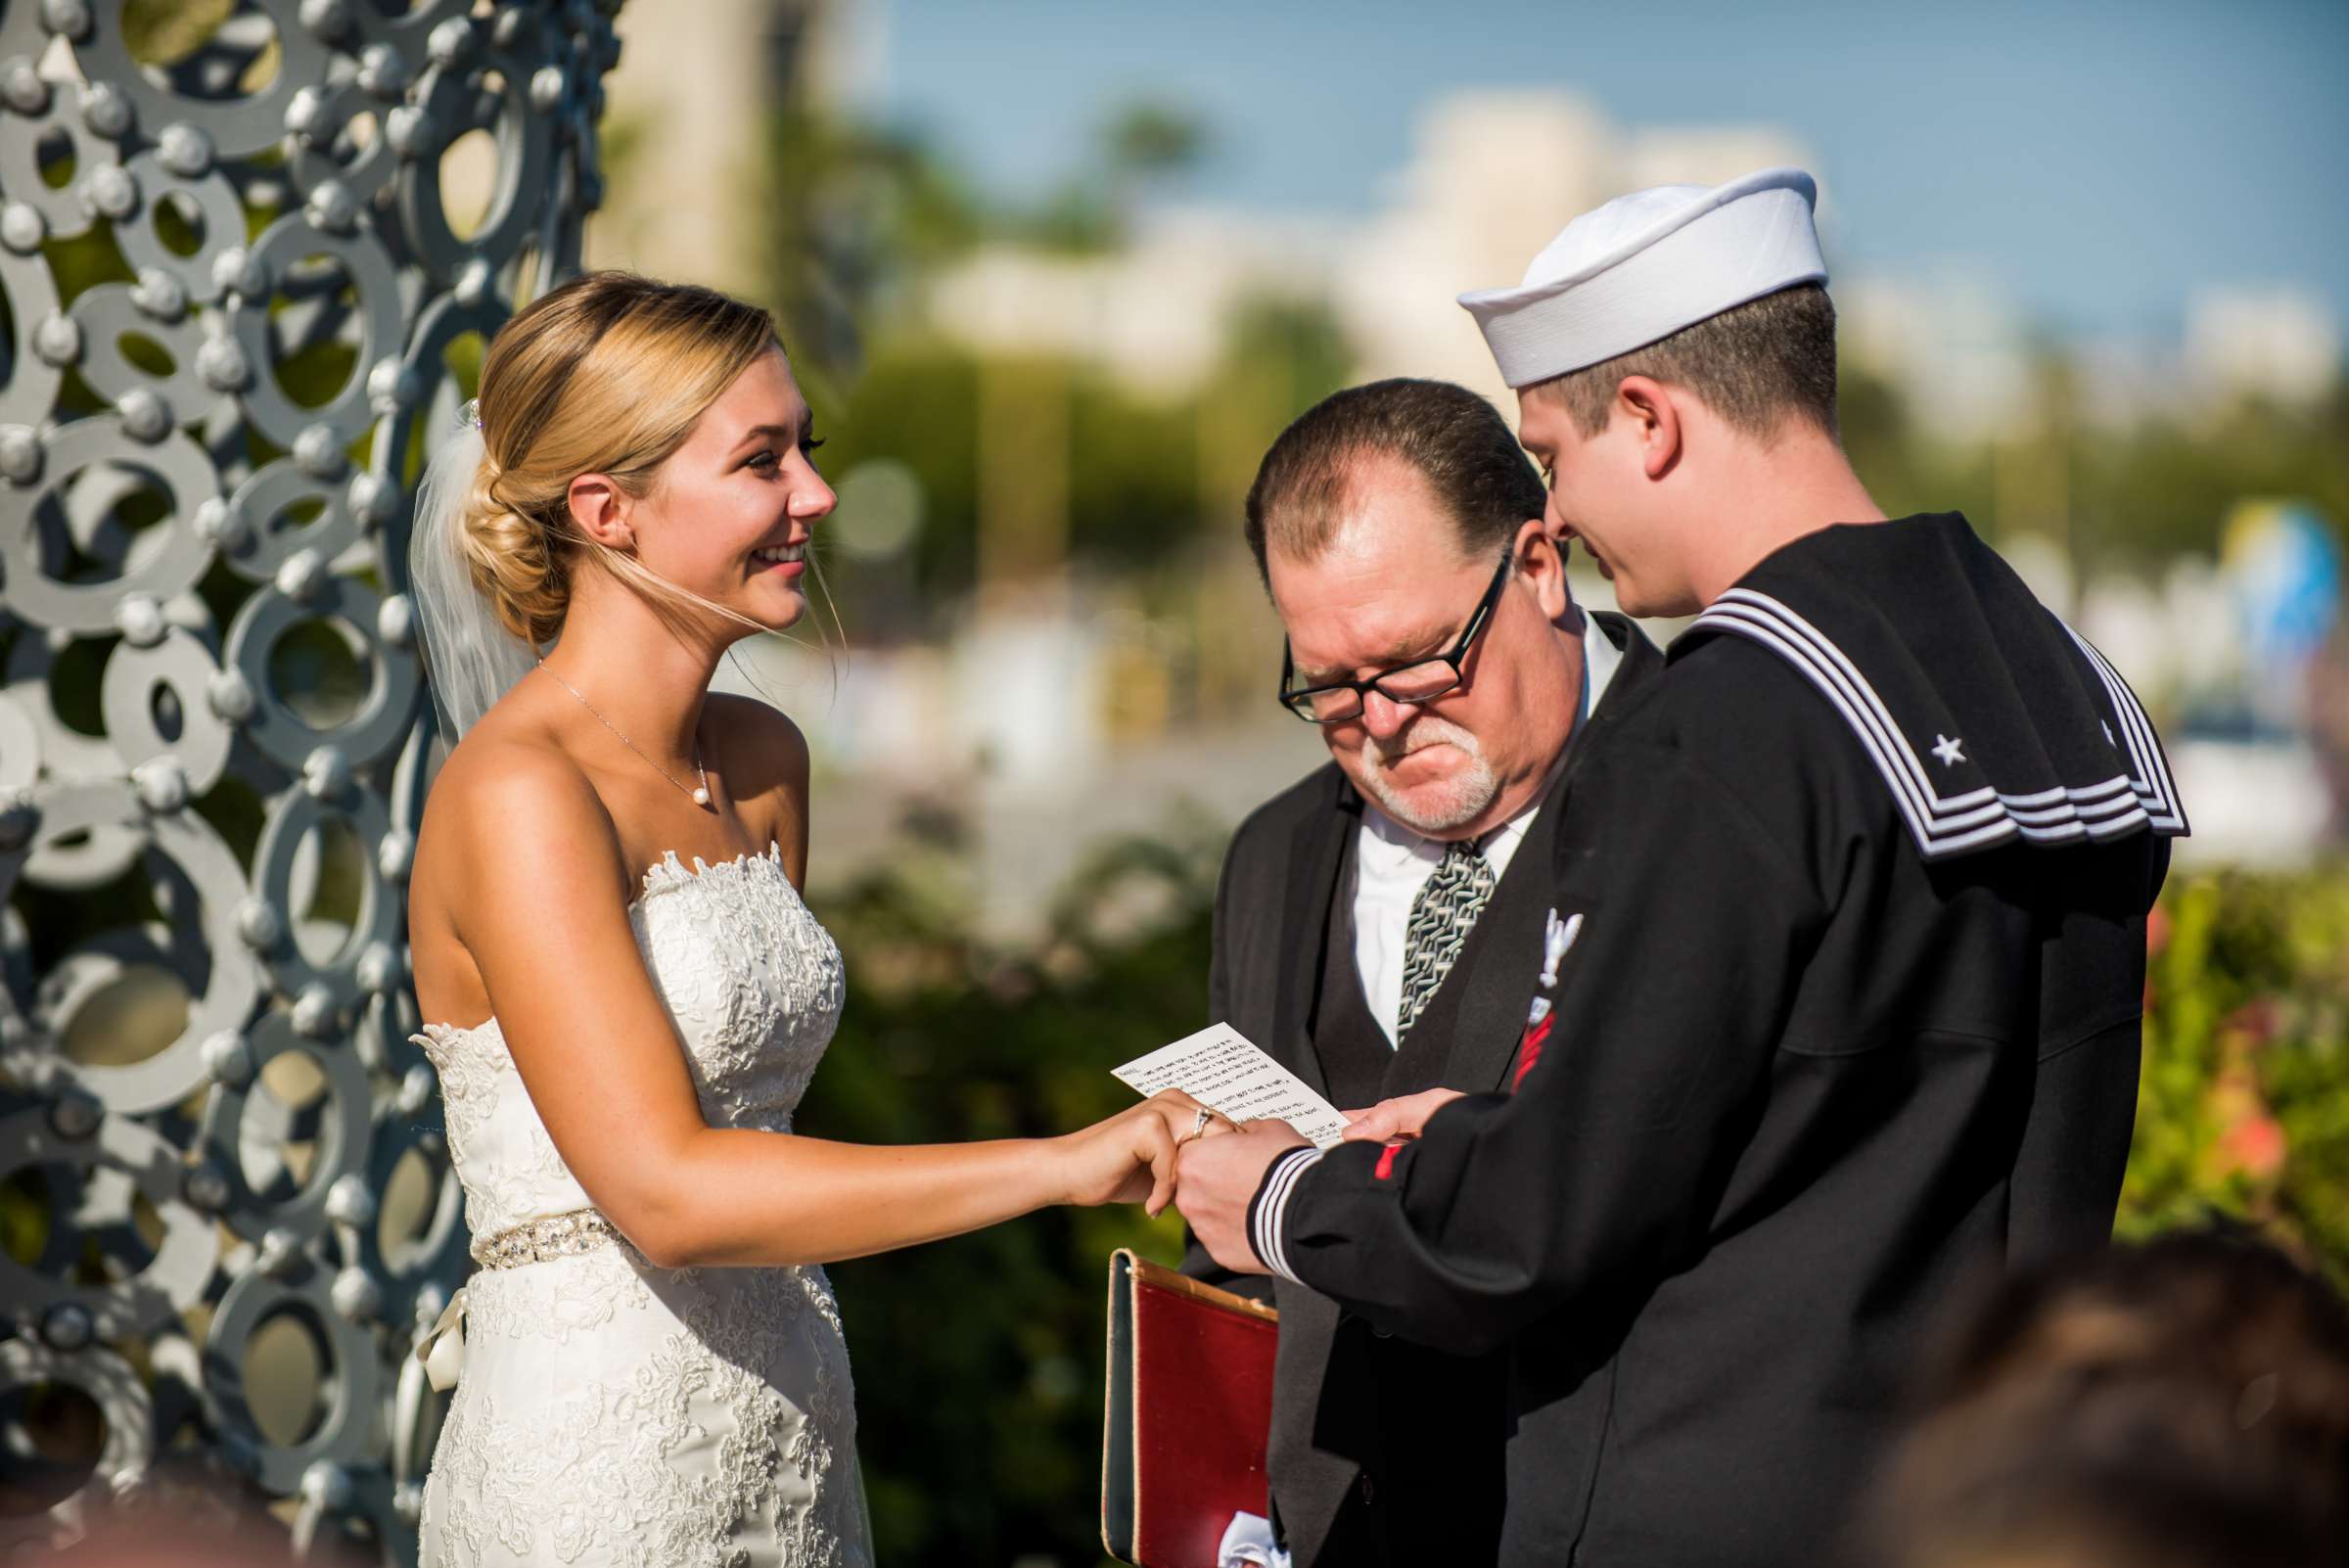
pixel 561 1235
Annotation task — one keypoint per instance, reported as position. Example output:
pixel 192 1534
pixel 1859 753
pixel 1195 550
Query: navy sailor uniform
pixel 1839 1010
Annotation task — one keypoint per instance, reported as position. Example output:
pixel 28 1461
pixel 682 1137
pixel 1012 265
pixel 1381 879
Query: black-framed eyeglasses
pixel 1422 681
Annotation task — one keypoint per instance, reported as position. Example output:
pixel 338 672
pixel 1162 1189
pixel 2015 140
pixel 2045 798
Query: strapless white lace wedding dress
pixel 611 1413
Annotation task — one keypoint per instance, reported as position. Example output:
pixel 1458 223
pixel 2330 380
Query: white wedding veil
pixel 471 659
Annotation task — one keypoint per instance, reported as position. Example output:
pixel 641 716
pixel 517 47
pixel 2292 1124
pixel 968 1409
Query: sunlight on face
pixel 1597 493
pixel 732 511
pixel 1393 585
pixel 1550 436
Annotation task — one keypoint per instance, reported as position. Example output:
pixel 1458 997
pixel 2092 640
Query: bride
pixel 605 916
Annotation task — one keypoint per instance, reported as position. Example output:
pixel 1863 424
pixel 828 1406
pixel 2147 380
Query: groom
pixel 1840 1006
pixel 1374 921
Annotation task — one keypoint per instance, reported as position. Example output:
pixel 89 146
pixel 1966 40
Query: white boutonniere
pixel 1560 939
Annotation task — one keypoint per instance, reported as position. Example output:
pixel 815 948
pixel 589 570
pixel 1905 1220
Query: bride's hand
pixel 1129 1157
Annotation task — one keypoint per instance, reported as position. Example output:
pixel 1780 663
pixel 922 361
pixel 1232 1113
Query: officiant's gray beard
pixel 1442 806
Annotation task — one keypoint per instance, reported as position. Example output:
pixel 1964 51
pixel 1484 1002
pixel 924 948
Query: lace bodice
pixel 612 1414
pixel 754 983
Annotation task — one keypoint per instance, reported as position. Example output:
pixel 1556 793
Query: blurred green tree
pixel 1139 149
pixel 1151 139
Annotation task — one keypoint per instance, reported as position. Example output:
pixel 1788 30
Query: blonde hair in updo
pixel 606 374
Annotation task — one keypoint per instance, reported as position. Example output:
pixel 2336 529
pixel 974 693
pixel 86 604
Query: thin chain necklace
pixel 700 797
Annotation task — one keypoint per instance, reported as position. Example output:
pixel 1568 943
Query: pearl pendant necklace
pixel 699 797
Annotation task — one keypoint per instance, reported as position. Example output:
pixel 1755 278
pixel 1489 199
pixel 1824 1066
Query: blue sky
pixel 2095 161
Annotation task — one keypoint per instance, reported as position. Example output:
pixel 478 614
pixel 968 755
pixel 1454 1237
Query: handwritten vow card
pixel 1220 1067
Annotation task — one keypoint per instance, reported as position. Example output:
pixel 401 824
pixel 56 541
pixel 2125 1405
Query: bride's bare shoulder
pixel 506 794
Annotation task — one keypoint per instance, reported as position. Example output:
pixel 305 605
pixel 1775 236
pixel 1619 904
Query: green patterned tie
pixel 1442 916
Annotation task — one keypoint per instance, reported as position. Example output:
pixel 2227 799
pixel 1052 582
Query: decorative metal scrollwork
pixel 237 292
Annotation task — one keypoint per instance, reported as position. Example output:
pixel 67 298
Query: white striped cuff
pixel 1268 1215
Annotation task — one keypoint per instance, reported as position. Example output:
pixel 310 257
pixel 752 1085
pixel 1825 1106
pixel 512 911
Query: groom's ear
pixel 1655 417
pixel 599 509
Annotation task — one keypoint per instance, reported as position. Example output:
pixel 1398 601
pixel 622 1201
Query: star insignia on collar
pixel 1948 750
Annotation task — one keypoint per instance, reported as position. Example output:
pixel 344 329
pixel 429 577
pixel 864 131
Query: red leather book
pixel 1190 1402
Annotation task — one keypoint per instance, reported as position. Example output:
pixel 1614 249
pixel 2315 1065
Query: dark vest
pixel 1353 1047
pixel 1362 1067
pixel 1431 1487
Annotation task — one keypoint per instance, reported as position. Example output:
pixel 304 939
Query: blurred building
pixel 1493 176
pixel 1154 312
pixel 2237 341
pixel 1958 350
pixel 1962 353
pixel 2282 345
pixel 2127 377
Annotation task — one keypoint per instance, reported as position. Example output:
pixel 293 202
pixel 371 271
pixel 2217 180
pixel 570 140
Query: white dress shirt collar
pixel 1392 862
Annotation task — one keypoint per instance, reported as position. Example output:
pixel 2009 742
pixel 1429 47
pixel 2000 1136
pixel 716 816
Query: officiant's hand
pixel 1128 1157
pixel 1219 1179
pixel 1404 1117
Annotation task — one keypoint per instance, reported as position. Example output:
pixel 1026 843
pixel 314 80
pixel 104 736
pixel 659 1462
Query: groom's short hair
pixel 1755 365
pixel 1453 439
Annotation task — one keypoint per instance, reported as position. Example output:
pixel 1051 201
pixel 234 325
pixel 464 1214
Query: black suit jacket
pixel 1381 1449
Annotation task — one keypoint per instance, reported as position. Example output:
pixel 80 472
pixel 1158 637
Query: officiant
pixel 1375 921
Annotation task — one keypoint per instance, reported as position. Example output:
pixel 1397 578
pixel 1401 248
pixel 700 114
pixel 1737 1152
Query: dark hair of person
pixel 1453 439
pixel 1756 365
pixel 2179 1404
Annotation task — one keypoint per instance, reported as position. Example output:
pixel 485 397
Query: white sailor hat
pixel 1647 264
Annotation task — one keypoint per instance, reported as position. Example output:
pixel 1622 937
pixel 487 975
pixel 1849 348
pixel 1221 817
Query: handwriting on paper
pixel 1220 1067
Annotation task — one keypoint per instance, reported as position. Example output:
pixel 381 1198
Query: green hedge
pixel 2245 1103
